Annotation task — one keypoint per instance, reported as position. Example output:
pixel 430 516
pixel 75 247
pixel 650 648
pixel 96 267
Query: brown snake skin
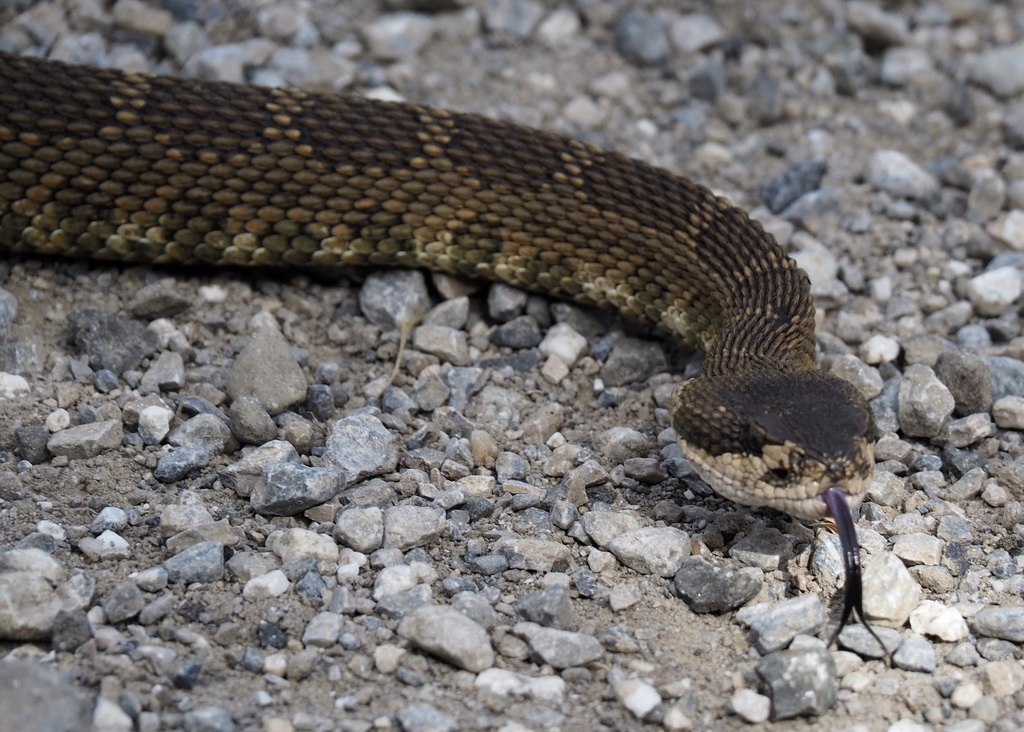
pixel 136 168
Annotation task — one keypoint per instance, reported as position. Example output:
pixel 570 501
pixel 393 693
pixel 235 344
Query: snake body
pixel 136 168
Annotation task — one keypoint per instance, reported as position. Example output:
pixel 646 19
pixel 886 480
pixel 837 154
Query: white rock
pixel 12 385
pixel 58 420
pixel 107 545
pixel 1008 412
pixel 880 349
pixel 520 686
pixel 564 341
pixel 751 706
pixel 992 292
pixel 399 577
pixel 272 584
pixel 154 424
pixel 1009 229
pixel 637 696
pixel 939 621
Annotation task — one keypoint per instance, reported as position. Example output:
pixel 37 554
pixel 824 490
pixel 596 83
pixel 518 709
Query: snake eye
pixel 777 476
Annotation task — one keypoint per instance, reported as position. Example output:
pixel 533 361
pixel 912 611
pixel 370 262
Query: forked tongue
pixel 853 592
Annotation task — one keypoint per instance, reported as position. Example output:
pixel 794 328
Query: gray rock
pixel 765 548
pixel 123 602
pixel 877 25
pixel 464 643
pixel 900 66
pixel 28 606
pixel 241 477
pixel 250 422
pixel 696 32
pixel 473 605
pixel 520 332
pixel 205 431
pixel 707 587
pixel 86 440
pixel 202 562
pixel 801 683
pixel 512 20
pixel 32 441
pixel 642 38
pixel 893 172
pixel 1007 376
pixel 447 344
pixel 775 628
pixel 398 36
pixel 267 370
pixel 392 298
pixel 968 378
pixel 110 518
pixel 158 300
pixel 534 555
pixel 361 529
pixel 36 697
pixel 111 343
pixel 426 718
pixel 166 373
pixel 550 607
pixel 209 719
pixel 361 447
pixel 924 402
pixel 180 463
pixel 999 69
pixel 563 648
pixel 915 654
pixel 631 360
pixel 505 303
pixel 407 527
pixel 859 639
pixel 1006 623
pixel 286 489
pixel 658 550
pixel 429 392
pixel 781 190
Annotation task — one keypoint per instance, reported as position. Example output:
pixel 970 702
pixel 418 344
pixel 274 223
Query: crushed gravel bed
pixel 223 508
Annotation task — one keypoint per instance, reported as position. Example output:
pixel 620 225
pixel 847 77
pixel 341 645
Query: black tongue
pixel 853 593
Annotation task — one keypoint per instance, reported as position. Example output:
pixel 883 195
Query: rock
pixel 286 489
pixel 203 562
pixel 652 550
pixel 550 607
pixel 968 378
pixel 266 586
pixel 505 683
pixel 250 422
pixel 924 402
pixel 865 643
pixel 393 298
pixel 464 643
pixel 37 697
pixel 998 622
pixel 406 527
pixel 915 654
pixel 293 544
pixel 752 707
pixel 1008 413
pixel 361 529
pixel 561 648
pixel 167 373
pixel 86 440
pixel 535 555
pixel 637 696
pixel 877 25
pixel 775 628
pixel 28 606
pixel 111 343
pixel 642 38
pixel 512 20
pixel 710 588
pixel 999 69
pixel 181 463
pixel 695 32
pixel 893 172
pixel 123 602
pixel 992 292
pixel 890 592
pixel 267 371
pixel 361 447
pixel 780 191
pixel 565 342
pixel 398 36
pixel 939 621
pixel 801 683
pixel 604 526
pixel 632 360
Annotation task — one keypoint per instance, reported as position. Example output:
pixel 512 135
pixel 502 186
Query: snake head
pixel 767 438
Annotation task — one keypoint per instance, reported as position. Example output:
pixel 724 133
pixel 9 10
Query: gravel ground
pixel 216 513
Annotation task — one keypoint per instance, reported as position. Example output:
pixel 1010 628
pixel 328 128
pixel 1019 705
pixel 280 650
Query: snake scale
pixel 136 168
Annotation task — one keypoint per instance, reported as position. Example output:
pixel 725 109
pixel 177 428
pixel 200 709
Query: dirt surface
pixel 778 105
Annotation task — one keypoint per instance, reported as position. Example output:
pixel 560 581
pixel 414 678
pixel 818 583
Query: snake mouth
pixel 853 591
